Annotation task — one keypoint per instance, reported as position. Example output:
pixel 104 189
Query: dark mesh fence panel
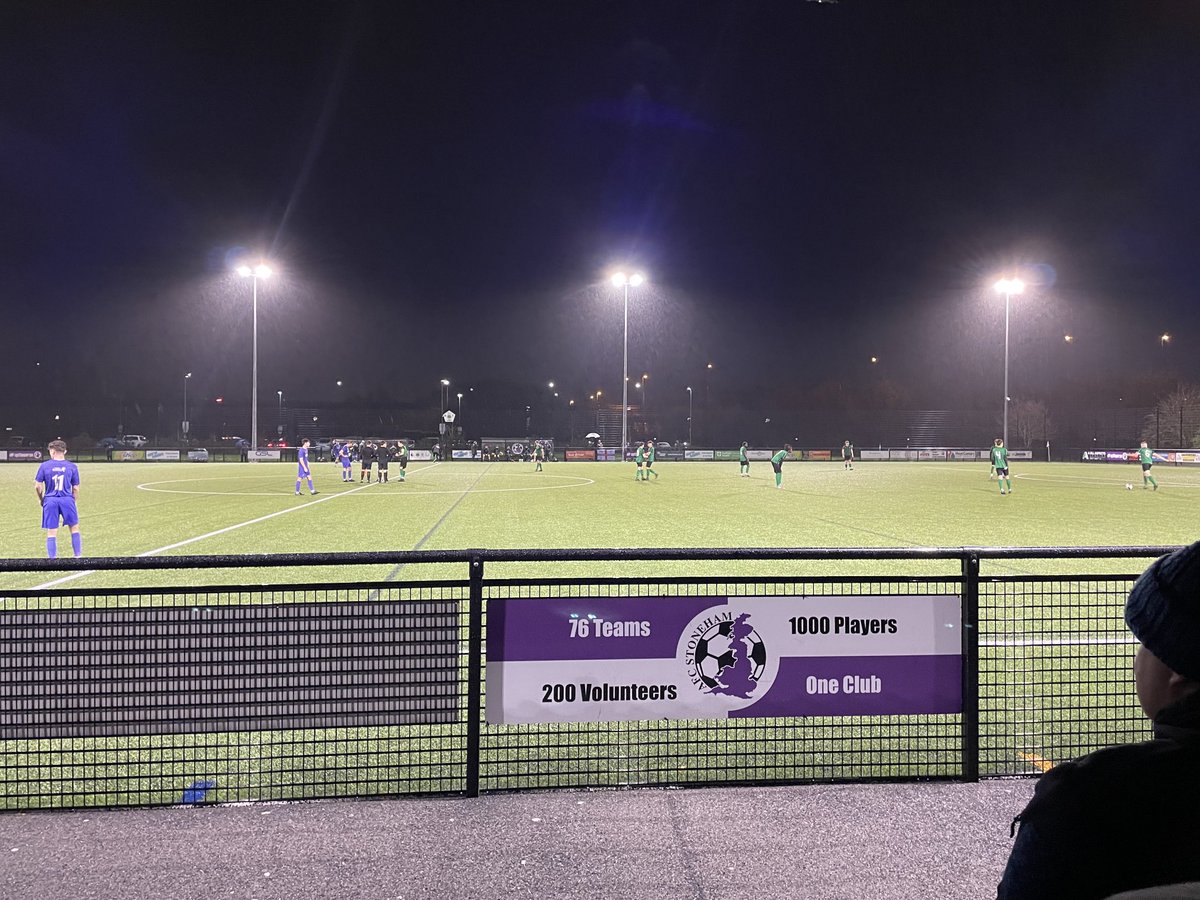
pixel 230 695
pixel 1055 671
pixel 147 697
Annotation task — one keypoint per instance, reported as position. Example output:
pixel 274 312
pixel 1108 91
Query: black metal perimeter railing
pixel 153 695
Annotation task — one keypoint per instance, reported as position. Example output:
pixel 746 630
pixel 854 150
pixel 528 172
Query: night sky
pixel 445 187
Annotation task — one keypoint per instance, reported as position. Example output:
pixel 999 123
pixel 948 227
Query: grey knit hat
pixel 1163 610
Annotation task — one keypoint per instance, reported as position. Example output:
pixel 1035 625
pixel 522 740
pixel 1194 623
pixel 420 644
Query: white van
pixel 135 440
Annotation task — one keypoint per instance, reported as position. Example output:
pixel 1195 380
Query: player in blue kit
pixel 57 486
pixel 344 457
pixel 303 471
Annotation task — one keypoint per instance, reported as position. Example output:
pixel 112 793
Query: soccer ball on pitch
pixel 1128 486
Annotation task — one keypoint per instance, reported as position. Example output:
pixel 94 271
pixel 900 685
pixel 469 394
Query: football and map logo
pixel 726 657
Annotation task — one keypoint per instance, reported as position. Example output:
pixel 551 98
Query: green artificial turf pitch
pixel 1040 702
pixel 227 508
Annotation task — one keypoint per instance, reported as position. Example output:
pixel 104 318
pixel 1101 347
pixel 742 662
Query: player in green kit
pixel 1146 457
pixel 640 458
pixel 649 460
pixel 1000 464
pixel 743 461
pixel 848 456
pixel 539 455
pixel 777 463
pixel 402 456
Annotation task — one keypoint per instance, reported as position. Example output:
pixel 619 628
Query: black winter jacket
pixel 1115 820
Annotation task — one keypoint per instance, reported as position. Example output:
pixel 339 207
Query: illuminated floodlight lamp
pixel 620 279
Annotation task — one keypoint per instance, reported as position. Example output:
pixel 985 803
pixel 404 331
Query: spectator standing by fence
pixel 1128 817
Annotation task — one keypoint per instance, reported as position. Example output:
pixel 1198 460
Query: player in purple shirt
pixel 57 486
pixel 303 471
pixel 344 458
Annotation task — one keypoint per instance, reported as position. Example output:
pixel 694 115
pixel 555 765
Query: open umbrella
pixel 591 434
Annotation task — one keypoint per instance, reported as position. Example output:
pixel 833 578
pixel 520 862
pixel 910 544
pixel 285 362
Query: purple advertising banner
pixel 625 658
pixel 862 686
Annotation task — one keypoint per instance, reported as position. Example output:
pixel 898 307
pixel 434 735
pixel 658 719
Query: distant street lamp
pixel 1069 338
pixel 1007 287
pixel 184 428
pixel 445 382
pixel 1164 340
pixel 262 270
pixel 460 408
pixel 689 390
pixel 279 430
pixel 621 280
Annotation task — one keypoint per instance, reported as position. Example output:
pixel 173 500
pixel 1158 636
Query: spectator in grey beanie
pixel 1128 817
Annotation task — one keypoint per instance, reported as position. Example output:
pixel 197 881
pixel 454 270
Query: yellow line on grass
pixel 1038 762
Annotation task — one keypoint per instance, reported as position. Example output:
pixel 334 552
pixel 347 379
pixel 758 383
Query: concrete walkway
pixel 880 842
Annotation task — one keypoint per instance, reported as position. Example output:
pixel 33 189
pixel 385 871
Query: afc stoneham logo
pixel 724 655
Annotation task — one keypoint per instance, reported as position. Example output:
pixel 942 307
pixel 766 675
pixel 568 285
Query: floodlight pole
pixel 184 428
pixel 623 281
pixel 254 373
pixel 1007 300
pixel 625 380
pixel 689 390
pixel 1008 287
pixel 262 270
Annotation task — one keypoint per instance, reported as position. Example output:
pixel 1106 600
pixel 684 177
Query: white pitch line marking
pixel 202 537
pixel 1088 479
pixel 577 481
pixel 1083 641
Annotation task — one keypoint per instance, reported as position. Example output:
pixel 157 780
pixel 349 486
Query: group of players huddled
pixel 370 454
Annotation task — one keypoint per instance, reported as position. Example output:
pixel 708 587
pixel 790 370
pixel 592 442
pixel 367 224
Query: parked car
pixel 276 444
pixel 135 440
pixel 110 443
pixel 235 441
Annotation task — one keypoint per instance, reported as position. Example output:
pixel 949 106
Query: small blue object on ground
pixel 195 793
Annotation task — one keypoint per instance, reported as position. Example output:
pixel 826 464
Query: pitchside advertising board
pixel 935 454
pixel 1124 456
pixel 21 455
pixel 628 658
